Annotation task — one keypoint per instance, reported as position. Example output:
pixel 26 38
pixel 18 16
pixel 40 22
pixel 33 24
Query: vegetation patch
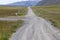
pixel 12 11
pixel 8 28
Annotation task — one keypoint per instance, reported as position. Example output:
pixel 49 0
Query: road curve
pixel 36 28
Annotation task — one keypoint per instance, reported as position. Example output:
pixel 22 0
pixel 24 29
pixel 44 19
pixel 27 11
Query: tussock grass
pixel 8 28
pixel 11 11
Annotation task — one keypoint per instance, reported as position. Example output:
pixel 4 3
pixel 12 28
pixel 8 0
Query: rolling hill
pixel 24 3
pixel 48 2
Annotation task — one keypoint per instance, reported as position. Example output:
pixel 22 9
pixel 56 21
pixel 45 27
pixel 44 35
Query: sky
pixel 11 1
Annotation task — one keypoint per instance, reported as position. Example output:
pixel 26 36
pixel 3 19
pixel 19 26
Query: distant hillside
pixel 48 2
pixel 24 3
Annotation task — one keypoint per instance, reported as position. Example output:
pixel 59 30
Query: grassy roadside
pixel 53 17
pixel 11 11
pixel 7 28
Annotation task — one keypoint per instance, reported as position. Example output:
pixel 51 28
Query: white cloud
pixel 35 0
pixel 11 1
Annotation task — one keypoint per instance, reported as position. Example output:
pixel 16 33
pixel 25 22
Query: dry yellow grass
pixel 7 28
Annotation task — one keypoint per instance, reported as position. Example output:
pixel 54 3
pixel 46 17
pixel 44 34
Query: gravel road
pixel 36 28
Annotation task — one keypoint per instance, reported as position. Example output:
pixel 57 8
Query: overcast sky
pixel 11 1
